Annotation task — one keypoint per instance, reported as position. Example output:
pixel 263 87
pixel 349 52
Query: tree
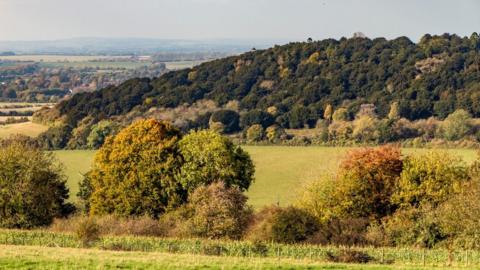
pixel 216 211
pixel 255 133
pixel 230 119
pixel 362 188
pixel 254 117
pixel 456 125
pixel 340 114
pixel 274 133
pixel 100 131
pixel 134 172
pixel 209 157
pixel 328 113
pixel 33 188
pixel 429 178
pixel 394 113
pixel 365 129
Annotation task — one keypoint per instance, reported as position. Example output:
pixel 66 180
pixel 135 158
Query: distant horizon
pixel 292 20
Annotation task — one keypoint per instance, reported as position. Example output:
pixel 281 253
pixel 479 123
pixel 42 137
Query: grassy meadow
pixel 280 170
pixel 35 257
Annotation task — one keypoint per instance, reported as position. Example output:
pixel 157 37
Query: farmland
pixel 280 170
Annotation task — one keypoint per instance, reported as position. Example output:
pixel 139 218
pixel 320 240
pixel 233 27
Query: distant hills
pixel 139 46
pixel 294 83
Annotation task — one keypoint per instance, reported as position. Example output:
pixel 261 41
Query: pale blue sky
pixel 249 19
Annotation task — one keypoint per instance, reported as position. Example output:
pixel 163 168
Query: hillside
pixel 297 81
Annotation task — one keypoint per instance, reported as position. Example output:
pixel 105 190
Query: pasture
pixel 281 171
pixel 27 128
pixel 30 257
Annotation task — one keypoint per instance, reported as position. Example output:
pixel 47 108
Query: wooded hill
pixel 297 81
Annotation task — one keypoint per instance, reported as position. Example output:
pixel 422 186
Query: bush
pixel 33 188
pixel 88 232
pixel 209 157
pixel 342 232
pixel 282 225
pixel 218 212
pixel 230 119
pixel 349 256
pixel 134 172
pixel 255 133
pixel 429 179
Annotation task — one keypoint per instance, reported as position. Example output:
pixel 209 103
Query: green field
pixel 281 171
pixel 33 257
pixel 27 128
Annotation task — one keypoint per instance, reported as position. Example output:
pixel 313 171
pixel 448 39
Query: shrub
pixel 408 227
pixel 349 256
pixel 32 187
pixel 340 114
pixel 88 232
pixel 342 232
pixel 459 217
pixel 282 225
pixel 275 133
pixel 429 178
pixel 209 157
pixel 255 133
pixel 218 212
pixel 134 172
pixel 365 129
pixel 230 119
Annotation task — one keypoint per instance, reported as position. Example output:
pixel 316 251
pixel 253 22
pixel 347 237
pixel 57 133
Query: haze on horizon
pixel 234 19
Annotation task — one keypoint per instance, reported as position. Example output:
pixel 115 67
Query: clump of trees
pixel 387 199
pixel 150 168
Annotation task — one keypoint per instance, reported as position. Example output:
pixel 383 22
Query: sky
pixel 235 19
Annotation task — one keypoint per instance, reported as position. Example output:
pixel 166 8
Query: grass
pixel 281 171
pixel 13 244
pixel 28 128
pixel 29 257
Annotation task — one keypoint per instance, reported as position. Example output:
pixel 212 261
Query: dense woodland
pixel 291 86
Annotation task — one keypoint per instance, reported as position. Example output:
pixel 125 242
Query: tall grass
pixel 403 256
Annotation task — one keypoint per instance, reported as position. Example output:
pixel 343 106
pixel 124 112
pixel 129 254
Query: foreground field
pixel 280 170
pixel 30 257
pixel 47 250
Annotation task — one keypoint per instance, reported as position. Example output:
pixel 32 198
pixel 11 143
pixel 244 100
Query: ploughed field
pixel 281 171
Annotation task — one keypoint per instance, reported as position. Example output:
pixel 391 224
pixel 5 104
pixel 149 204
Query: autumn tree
pixel 134 172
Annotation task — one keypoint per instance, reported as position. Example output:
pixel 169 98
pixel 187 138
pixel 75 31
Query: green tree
pixel 230 119
pixel 32 187
pixel 100 131
pixel 456 125
pixel 134 172
pixel 209 157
